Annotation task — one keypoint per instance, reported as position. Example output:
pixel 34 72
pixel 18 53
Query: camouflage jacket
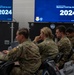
pixel 64 46
pixel 72 41
pixel 27 54
pixel 48 48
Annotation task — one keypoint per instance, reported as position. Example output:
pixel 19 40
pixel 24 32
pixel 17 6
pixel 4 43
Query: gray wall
pixel 23 12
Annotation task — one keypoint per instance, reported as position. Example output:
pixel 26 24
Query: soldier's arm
pixel 15 53
pixel 61 46
pixel 72 41
pixel 41 47
pixel 12 54
pixel 3 57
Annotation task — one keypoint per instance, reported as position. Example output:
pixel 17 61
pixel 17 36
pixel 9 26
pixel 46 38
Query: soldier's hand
pixel 57 64
pixel 5 51
pixel 37 38
pixel 0 52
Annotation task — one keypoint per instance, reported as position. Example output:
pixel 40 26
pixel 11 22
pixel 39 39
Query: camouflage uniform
pixel 64 46
pixel 28 56
pixel 48 48
pixel 72 41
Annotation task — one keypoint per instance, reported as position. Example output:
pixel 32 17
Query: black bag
pixel 6 67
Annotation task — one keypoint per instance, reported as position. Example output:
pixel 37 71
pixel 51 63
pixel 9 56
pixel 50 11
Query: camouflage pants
pixel 18 71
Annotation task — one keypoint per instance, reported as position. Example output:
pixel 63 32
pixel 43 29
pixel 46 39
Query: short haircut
pixel 24 31
pixel 70 30
pixel 61 28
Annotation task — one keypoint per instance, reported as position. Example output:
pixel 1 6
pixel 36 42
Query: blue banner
pixel 6 7
pixel 54 11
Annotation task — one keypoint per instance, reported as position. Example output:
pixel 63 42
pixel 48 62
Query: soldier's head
pixel 22 35
pixel 60 31
pixel 70 32
pixel 45 32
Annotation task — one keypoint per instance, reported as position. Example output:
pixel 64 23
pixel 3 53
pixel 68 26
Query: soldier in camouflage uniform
pixel 47 47
pixel 26 53
pixel 64 44
pixel 70 35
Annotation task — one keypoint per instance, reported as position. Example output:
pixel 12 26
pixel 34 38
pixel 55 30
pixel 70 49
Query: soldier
pixel 47 47
pixel 26 53
pixel 70 35
pixel 64 44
